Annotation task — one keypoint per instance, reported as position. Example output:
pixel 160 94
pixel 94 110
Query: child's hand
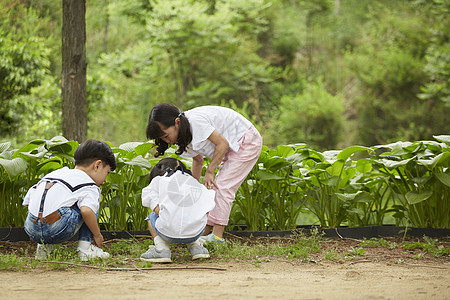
pixel 156 210
pixel 98 240
pixel 208 180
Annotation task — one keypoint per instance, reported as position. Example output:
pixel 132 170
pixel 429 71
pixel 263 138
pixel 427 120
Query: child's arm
pixel 150 194
pixel 91 221
pixel 197 164
pixel 221 148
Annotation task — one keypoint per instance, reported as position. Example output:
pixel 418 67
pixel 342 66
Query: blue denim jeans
pixel 64 229
pixel 152 217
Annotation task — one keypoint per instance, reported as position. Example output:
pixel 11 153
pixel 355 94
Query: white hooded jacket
pixel 183 204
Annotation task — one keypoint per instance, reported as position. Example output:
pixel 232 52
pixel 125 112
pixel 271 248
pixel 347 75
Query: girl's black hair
pixel 164 114
pixel 167 163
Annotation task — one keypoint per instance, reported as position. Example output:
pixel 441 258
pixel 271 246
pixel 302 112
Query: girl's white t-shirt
pixel 71 186
pixel 205 119
pixel 183 204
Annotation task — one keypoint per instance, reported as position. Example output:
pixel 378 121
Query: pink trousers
pixel 234 169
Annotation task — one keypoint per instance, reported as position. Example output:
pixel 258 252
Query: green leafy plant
pixel 419 179
pixel 121 206
pixel 356 251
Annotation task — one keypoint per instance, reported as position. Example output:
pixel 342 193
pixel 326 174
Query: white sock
pixel 84 244
pixel 161 244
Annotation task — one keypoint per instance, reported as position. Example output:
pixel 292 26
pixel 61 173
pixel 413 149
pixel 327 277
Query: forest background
pixel 328 73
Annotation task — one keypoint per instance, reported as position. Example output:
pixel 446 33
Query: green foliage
pixel 313 117
pixel 375 242
pixel 430 245
pixel 302 247
pixel 390 70
pixel 438 55
pixel 23 65
pixel 419 180
pixel 356 251
pixel 121 207
pixel 356 186
pixel 21 168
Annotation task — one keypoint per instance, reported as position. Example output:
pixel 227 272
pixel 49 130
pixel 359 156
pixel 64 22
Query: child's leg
pixel 84 233
pixel 235 168
pixel 62 230
pixel 161 252
pixel 44 234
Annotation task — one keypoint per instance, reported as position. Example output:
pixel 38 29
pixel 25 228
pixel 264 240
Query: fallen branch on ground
pixel 137 269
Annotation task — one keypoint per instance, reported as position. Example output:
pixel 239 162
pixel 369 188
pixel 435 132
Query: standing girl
pixel 225 136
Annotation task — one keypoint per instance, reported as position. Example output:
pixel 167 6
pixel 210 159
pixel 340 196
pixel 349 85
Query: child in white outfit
pixel 179 206
pixel 219 133
pixel 66 201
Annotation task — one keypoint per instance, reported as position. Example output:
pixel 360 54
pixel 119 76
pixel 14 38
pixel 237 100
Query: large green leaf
pixel 346 197
pixel 443 138
pixel 331 156
pixel 139 161
pixel 129 146
pixel 14 166
pixel 444 178
pixel 28 148
pixel 347 152
pixel 59 145
pixel 276 162
pixel 336 168
pixel 49 165
pixel 264 175
pixel 4 146
pixel 396 148
pixel 364 165
pixel 442 159
pixel 33 155
pixel 414 197
pixel 143 148
pixel 285 150
pixel 393 164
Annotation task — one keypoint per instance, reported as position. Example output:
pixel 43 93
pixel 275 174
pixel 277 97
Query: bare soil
pixel 379 273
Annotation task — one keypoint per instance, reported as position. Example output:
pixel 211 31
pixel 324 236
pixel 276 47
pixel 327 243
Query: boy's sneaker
pixel 211 238
pixel 43 251
pixel 153 255
pixel 91 252
pixel 198 251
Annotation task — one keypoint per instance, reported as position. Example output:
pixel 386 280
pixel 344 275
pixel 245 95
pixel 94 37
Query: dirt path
pixel 241 280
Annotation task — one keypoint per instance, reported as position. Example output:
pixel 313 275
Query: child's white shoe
pixel 90 252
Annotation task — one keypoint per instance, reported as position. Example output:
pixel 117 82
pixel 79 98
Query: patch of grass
pixel 332 255
pixel 431 246
pixel 63 253
pixel 378 242
pixel 130 247
pixel 302 247
pixel 356 251
pixel 12 262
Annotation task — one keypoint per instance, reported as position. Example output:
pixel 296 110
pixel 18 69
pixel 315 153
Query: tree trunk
pixel 73 79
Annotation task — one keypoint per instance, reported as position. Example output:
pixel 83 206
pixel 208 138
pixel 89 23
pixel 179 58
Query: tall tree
pixel 73 79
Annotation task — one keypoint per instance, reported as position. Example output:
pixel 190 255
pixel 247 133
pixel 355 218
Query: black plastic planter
pixel 18 233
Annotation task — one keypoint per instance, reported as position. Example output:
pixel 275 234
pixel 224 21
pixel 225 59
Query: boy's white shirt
pixel 63 195
pixel 183 204
pixel 205 119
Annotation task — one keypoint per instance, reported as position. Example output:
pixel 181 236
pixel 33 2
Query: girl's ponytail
pixel 184 134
